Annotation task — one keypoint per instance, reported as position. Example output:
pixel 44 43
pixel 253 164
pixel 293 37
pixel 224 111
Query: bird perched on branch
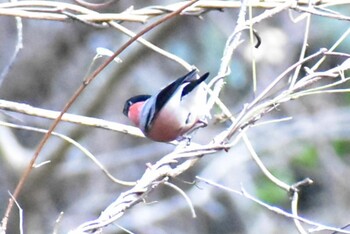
pixel 172 112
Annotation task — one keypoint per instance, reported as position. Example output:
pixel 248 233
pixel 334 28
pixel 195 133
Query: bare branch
pixel 73 142
pixel 51 10
pixel 275 209
pixel 71 118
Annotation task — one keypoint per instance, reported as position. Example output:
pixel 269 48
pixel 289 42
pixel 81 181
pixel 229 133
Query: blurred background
pixel 53 63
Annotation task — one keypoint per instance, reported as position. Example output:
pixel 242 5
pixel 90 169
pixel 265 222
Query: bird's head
pixel 133 107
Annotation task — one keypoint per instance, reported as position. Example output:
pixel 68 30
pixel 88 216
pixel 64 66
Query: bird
pixel 172 112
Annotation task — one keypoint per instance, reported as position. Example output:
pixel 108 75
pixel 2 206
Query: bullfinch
pixel 172 112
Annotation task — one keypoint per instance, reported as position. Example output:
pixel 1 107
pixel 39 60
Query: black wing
pixel 165 94
pixel 193 84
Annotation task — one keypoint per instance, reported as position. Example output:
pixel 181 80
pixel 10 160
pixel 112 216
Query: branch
pixel 170 165
pixel 71 118
pixel 274 209
pixel 53 10
pixel 86 152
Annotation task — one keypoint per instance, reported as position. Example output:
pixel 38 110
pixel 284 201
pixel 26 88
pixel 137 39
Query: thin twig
pixel 19 46
pixel 85 151
pixel 188 200
pixel 151 46
pixel 124 229
pixel 275 209
pixel 232 43
pixel 335 45
pixel 57 223
pixel 313 11
pixel 281 76
pixel 303 49
pixel 262 167
pixel 297 223
pixel 20 214
pixel 252 48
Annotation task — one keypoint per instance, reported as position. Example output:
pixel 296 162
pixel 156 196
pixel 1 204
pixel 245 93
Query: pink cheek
pixel 134 113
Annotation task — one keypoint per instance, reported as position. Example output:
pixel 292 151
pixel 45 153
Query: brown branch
pixel 77 93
